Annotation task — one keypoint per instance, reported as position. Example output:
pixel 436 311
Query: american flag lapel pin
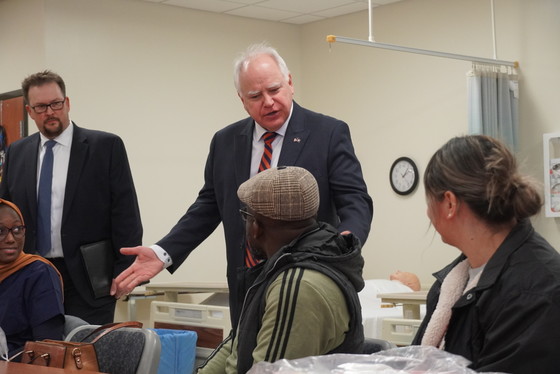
pixel 297 140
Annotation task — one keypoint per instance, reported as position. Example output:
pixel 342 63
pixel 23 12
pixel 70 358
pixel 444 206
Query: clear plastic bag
pixel 3 346
pixel 405 360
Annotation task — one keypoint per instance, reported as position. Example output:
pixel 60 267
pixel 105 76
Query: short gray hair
pixel 254 50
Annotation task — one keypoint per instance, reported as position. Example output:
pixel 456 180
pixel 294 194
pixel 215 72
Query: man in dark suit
pixel 318 143
pixel 92 195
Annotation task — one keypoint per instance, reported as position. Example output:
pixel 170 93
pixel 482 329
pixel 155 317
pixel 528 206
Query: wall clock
pixel 403 176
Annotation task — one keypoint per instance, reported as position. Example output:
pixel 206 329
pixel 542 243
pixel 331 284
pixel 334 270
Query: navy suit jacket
pixel 100 200
pixel 316 142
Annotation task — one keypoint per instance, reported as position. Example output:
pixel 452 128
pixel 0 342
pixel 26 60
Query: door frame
pixel 11 95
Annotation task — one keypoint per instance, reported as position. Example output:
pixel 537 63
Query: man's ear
pixel 258 229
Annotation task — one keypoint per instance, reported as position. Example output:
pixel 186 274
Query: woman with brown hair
pixel 498 303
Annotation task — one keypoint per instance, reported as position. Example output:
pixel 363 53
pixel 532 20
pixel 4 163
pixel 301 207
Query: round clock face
pixel 403 176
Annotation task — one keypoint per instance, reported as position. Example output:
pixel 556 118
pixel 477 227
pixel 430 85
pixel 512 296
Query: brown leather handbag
pixel 59 354
pixel 71 356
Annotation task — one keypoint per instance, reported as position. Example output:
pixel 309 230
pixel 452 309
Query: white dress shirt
pixel 258 145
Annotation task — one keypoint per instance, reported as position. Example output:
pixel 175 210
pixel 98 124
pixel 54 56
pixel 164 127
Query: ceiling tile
pixel 384 2
pixel 208 5
pixel 259 12
pixel 246 2
pixel 307 6
pixel 342 10
pixel 289 11
pixel 300 20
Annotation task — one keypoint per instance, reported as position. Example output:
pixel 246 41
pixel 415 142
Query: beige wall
pixel 22 41
pixel 408 104
pixel 160 77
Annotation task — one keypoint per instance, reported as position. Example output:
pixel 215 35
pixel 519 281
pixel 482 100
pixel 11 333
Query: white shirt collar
pixel 64 139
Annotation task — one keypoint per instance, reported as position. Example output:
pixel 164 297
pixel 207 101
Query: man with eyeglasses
pixel 84 196
pixel 302 299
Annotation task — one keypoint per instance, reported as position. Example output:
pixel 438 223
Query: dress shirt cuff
pixel 162 255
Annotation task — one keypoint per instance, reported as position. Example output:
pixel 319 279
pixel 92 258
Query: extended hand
pixel 146 266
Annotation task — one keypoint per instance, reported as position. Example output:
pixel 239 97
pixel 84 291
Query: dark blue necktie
pixel 44 200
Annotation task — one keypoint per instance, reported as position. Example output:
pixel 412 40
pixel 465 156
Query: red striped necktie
pixel 265 163
pixel 266 158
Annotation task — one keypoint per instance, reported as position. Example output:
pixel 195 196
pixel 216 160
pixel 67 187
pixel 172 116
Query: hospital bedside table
pixel 410 301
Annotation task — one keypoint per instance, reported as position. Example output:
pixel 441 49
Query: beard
pixel 52 130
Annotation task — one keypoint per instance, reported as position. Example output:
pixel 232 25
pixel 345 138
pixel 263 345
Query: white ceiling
pixel 288 11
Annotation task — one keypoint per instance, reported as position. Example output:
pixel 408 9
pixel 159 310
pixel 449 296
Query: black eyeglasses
pixel 42 108
pixel 17 232
pixel 245 214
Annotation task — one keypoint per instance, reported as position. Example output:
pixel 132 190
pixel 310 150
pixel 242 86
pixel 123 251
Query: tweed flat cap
pixel 285 193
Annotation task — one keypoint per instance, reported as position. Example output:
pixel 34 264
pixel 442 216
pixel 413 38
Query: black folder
pixel 99 260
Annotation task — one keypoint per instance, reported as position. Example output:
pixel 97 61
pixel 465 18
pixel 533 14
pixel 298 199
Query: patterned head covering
pixel 14 207
pixel 285 193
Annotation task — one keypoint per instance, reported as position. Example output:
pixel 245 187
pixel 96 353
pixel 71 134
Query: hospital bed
pixel 391 310
pixel 208 315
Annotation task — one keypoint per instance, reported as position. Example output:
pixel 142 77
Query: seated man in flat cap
pixel 303 297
